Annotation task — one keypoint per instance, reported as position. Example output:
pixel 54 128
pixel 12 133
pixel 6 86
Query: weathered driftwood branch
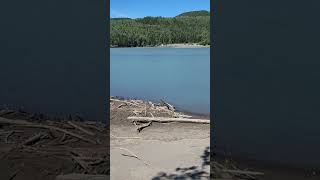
pixel 97 162
pixel 242 172
pixel 81 177
pixel 122 104
pixel 140 128
pixel 8 135
pixel 14 174
pixel 81 163
pixel 247 175
pixel 169 106
pixel 123 101
pixel 165 119
pixel 29 124
pixel 81 129
pixel 184 116
pixel 6 112
pixel 63 137
pixel 32 140
pixel 94 126
pixel 133 155
pixel 68 141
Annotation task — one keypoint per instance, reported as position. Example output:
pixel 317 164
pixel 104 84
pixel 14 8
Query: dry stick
pixel 91 123
pixel 85 158
pixel 63 137
pixel 6 112
pixel 242 172
pixel 14 174
pixel 29 124
pixel 52 134
pixel 184 116
pixel 81 129
pixel 94 161
pixel 94 127
pixel 132 155
pixel 152 105
pixel 165 119
pixel 117 100
pixel 69 141
pixel 145 111
pixel 169 106
pixel 220 166
pixel 136 112
pixel 81 163
pixel 139 129
pixel 151 114
pixel 97 162
pixel 8 135
pixel 135 102
pixel 33 139
pixel 123 104
pixel 75 176
pixel 235 168
pixel 135 124
pixel 4 132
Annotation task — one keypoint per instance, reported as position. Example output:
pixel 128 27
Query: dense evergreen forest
pixel 189 27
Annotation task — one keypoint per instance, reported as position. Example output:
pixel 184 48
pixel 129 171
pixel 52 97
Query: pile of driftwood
pixel 146 112
pixel 69 140
pixel 228 170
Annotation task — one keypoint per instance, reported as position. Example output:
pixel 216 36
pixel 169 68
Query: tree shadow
pixel 186 173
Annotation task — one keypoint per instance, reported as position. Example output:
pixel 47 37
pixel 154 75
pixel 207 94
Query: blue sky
pixel 165 8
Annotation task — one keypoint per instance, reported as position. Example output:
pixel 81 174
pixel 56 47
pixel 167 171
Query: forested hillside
pixel 190 27
pixel 195 13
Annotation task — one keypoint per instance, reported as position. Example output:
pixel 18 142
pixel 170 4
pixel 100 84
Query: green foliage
pixel 195 13
pixel 154 31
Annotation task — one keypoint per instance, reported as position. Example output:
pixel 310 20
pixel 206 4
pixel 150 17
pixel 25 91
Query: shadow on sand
pixel 193 172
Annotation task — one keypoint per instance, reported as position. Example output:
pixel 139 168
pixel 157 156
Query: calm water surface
pixel 179 76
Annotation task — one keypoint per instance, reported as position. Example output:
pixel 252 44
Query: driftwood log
pixel 165 119
pixel 29 124
pixel 82 177
pixel 243 172
pixel 80 128
pixel 34 139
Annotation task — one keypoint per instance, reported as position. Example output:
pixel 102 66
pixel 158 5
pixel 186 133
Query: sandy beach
pixel 162 151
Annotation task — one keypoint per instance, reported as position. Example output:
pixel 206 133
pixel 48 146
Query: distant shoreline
pixel 194 45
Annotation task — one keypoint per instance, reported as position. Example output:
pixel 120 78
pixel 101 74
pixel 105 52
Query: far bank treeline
pixel 189 27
